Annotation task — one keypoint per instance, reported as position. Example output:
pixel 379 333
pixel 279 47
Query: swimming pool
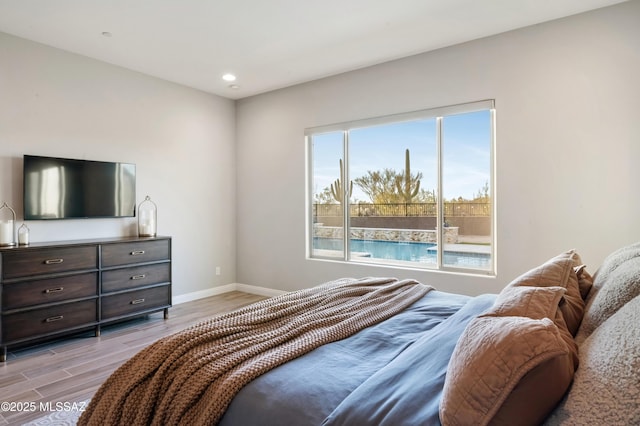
pixel 406 251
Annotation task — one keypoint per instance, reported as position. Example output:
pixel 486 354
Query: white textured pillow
pixel 622 284
pixel 606 386
pixel 611 262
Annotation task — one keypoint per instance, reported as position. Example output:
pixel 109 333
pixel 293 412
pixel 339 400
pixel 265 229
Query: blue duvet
pixel 388 374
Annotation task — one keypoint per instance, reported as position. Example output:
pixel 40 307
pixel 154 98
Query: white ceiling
pixel 268 44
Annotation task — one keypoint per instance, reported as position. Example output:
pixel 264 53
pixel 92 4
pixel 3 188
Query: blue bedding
pixel 391 373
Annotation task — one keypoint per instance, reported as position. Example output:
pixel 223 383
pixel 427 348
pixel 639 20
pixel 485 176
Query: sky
pixel 466 153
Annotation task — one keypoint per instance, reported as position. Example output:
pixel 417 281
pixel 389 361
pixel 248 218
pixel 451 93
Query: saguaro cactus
pixel 408 185
pixel 336 187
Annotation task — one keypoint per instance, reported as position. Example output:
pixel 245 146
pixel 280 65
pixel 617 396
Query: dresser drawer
pixel 37 322
pixel 37 292
pixel 135 301
pixel 135 276
pixel 36 262
pixel 136 252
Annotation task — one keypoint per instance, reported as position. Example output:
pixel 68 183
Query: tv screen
pixel 63 188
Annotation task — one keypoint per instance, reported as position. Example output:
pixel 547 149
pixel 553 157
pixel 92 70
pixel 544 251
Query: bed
pixel 556 346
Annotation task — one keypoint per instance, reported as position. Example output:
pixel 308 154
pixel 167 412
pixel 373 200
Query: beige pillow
pixel 610 263
pixel 585 281
pixel 551 273
pixel 535 303
pixel 606 387
pixel 530 302
pixel 559 271
pixel 495 355
pixel 622 284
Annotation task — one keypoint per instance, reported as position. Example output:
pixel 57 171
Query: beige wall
pixel 55 103
pixel 568 140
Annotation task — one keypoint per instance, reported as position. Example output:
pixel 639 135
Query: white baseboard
pixel 214 291
pixel 262 291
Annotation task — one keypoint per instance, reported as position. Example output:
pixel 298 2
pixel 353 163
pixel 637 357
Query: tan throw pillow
pixel 585 281
pixel 559 271
pixel 535 303
pixel 495 355
pixel 553 272
pixel 530 302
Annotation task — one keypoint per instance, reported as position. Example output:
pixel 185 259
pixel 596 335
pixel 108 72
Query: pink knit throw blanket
pixel 191 377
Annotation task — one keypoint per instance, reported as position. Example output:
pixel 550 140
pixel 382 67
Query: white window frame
pixel 433 113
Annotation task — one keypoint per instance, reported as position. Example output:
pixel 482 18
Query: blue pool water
pixel 406 251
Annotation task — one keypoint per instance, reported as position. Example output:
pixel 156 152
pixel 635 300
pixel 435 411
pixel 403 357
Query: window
pixel 403 187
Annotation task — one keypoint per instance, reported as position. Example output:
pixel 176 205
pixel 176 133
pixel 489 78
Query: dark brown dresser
pixel 59 288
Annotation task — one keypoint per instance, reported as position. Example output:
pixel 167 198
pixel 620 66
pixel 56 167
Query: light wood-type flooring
pixel 71 370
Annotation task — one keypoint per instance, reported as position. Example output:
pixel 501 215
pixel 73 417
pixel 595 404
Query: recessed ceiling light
pixel 234 86
pixel 106 34
pixel 229 77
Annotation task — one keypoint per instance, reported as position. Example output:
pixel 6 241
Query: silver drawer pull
pixel 52 319
pixel 137 252
pixel 54 290
pixel 138 277
pixel 137 301
pixel 53 261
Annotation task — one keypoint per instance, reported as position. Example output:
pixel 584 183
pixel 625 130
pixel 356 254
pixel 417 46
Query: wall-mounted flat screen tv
pixel 63 188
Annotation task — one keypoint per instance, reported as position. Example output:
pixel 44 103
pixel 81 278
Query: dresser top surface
pixel 92 241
